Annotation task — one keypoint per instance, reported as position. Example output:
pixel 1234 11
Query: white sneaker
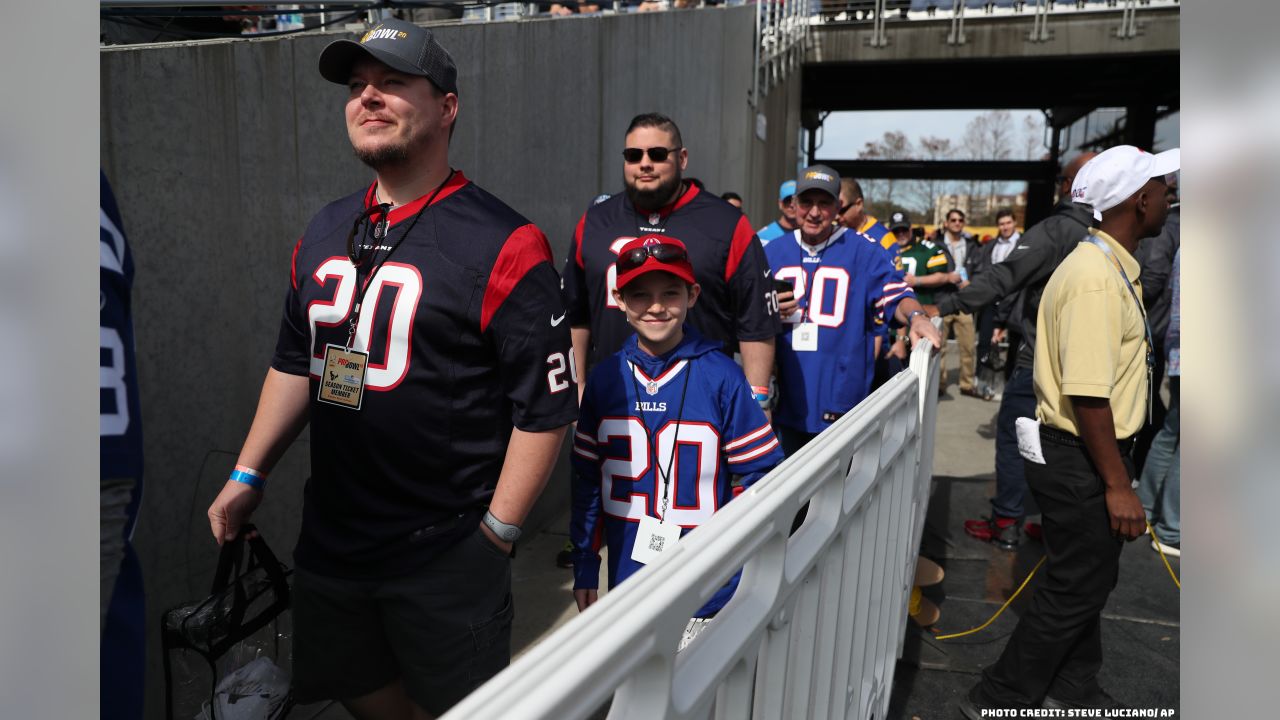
pixel 1169 550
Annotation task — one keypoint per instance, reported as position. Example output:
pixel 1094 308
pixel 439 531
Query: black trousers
pixel 1056 648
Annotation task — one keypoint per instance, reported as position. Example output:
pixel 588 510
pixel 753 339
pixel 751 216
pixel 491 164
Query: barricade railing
pixel 781 30
pixel 816 624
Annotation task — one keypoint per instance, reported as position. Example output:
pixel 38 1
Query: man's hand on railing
pixel 586 597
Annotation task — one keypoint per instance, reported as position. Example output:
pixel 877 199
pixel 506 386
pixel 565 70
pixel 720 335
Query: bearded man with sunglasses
pixel 423 340
pixel 737 306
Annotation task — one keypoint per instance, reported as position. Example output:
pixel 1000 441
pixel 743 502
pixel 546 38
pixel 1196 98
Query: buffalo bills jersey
pixel 737 300
pixel 689 413
pixel 842 286
pixel 467 338
pixel 119 418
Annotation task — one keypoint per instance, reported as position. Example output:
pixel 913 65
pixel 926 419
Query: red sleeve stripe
pixel 586 453
pixel 749 438
pixel 293 264
pixel 526 248
pixel 577 241
pixel 763 449
pixel 742 237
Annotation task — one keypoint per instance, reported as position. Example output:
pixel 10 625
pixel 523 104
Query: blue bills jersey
pixel 687 416
pixel 842 286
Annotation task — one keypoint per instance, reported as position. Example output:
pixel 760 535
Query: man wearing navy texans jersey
pixel 664 422
pixel 737 306
pixel 423 339
pixel 842 282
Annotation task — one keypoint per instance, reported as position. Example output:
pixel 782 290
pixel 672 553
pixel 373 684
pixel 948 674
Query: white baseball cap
pixel 1117 173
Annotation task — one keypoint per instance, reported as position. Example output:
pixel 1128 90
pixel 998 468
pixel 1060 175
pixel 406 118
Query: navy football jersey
pixel 119 419
pixel 466 336
pixel 636 411
pixel 737 300
pixel 842 287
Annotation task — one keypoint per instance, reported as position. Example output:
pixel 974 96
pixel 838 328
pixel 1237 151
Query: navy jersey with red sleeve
pixel 464 328
pixel 687 415
pixel 737 300
pixel 842 286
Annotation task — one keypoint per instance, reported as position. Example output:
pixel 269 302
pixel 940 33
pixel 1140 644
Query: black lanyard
pixel 665 477
pixel 363 287
pixel 1146 325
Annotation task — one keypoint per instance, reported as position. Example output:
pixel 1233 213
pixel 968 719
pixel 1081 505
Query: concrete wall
pixel 220 151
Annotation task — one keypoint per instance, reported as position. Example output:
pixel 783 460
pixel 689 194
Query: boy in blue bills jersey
pixel 842 282
pixel 664 422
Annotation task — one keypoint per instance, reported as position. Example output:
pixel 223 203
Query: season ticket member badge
pixel 342 381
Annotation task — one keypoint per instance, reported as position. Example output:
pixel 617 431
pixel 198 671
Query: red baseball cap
pixel 653 253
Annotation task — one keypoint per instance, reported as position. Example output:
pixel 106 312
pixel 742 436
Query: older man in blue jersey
pixel 841 283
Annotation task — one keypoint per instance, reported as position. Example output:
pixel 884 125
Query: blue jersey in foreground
pixel 637 409
pixel 842 285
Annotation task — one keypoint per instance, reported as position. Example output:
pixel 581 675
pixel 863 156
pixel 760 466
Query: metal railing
pixel 882 13
pixel 781 30
pixel 818 618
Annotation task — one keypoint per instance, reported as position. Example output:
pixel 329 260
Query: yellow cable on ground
pixel 1002 607
pixel 1160 549
pixel 1032 574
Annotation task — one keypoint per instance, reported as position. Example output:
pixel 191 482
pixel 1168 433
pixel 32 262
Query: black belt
pixel 1062 437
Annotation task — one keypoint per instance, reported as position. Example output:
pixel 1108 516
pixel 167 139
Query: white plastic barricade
pixel 817 622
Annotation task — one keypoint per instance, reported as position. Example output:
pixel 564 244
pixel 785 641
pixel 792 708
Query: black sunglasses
pixel 662 252
pixel 656 154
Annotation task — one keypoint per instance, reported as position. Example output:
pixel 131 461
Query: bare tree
pixel 989 136
pixel 932 148
pixel 893 146
pixel 1033 137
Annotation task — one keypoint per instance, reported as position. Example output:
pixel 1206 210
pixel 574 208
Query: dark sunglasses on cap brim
pixel 663 253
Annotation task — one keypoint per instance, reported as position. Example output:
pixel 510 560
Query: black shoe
pixel 972 709
pixel 564 558
pixel 1099 701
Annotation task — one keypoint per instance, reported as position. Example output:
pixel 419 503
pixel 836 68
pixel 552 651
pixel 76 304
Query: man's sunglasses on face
pixel 656 154
pixel 663 253
pixel 955 219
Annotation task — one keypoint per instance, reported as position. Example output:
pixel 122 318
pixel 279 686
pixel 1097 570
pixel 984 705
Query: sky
pixel 845 133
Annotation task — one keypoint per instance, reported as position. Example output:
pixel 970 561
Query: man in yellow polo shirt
pixel 1093 360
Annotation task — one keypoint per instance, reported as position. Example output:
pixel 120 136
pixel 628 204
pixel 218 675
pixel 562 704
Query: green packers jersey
pixel 920 259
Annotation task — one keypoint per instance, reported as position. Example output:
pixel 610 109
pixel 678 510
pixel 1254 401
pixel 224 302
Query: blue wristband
pixel 253 480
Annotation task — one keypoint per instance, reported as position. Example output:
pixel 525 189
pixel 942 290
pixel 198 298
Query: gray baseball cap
pixel 819 177
pixel 400 45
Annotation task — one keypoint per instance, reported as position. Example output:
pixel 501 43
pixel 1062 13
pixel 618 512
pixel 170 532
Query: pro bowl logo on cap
pixel 381 33
pixel 818 175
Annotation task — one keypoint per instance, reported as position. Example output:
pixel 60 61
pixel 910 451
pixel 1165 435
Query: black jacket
pixel 1155 256
pixel 1028 267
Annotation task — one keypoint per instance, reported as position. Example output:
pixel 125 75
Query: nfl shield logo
pixel 651 388
pixel 654 218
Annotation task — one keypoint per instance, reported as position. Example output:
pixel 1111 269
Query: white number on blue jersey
pixel 111 379
pixel 829 285
pixel 637 464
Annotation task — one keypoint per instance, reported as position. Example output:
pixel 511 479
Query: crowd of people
pixel 440 360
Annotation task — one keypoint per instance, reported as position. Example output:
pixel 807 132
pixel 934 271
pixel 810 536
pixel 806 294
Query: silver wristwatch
pixel 505 532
